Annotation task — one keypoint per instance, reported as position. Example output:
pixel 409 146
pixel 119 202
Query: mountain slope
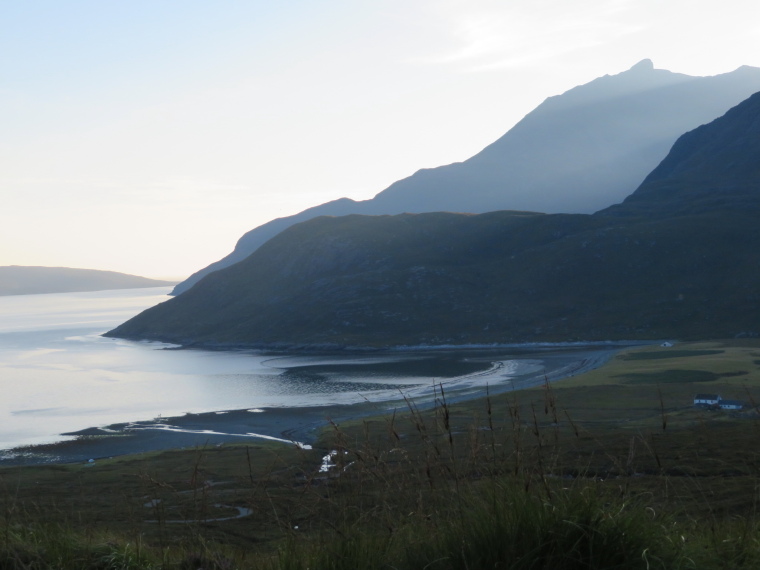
pixel 707 169
pixel 453 278
pixel 575 153
pixel 30 280
pixel 679 258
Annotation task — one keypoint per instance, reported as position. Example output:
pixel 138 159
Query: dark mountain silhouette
pixel 679 258
pixel 575 153
pixel 30 280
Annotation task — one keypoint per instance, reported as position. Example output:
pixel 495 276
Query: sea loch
pixel 60 376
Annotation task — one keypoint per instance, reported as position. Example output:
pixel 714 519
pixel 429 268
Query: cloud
pixel 494 35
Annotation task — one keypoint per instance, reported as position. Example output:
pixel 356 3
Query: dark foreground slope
pixel 679 258
pixel 29 280
pixel 575 153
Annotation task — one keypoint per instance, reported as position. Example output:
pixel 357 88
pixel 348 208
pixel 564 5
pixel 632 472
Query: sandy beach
pixel 296 425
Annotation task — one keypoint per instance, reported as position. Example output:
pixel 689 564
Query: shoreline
pixel 295 425
pixel 331 348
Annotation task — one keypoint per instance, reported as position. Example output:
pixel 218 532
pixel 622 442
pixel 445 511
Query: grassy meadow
pixel 614 468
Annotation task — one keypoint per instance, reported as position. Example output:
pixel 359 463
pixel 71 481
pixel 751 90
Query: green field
pixel 614 468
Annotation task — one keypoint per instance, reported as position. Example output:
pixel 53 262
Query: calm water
pixel 59 375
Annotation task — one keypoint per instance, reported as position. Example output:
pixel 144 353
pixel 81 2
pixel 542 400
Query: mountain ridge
pixel 624 121
pixel 655 266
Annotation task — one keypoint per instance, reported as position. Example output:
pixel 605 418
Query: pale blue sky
pixel 147 136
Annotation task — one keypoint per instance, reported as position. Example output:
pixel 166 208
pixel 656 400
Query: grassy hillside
pixel 457 279
pixel 610 469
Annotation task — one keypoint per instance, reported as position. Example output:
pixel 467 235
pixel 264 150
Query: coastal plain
pixel 629 427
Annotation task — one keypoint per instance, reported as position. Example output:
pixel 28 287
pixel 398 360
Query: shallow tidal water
pixel 59 375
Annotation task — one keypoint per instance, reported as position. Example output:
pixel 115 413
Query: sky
pixel 147 136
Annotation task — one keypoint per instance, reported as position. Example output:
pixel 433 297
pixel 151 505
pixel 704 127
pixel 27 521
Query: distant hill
pixel 577 152
pixel 29 280
pixel 679 258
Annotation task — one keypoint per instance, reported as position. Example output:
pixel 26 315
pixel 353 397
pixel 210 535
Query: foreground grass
pixel 611 469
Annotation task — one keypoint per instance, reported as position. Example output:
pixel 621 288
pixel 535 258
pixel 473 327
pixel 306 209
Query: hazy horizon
pixel 146 138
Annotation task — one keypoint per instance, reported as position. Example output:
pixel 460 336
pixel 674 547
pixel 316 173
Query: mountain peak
pixel 643 65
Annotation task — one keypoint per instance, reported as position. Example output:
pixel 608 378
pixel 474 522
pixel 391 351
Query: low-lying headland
pixel 612 468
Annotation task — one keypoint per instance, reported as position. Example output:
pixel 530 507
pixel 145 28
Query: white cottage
pixel 707 400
